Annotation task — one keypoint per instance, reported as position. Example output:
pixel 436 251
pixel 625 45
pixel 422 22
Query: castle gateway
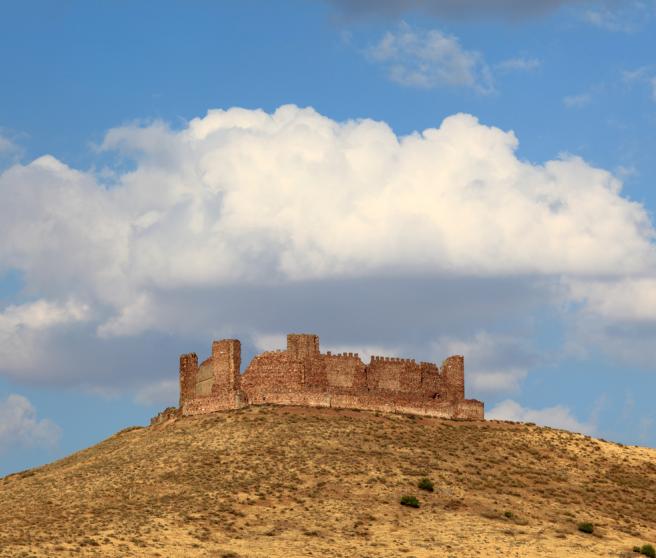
pixel 302 375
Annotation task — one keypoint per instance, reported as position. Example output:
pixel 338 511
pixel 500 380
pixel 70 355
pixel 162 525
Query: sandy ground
pixel 285 481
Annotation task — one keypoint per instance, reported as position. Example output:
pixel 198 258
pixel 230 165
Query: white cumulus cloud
pixel 24 329
pixel 621 300
pixel 19 426
pixel 242 205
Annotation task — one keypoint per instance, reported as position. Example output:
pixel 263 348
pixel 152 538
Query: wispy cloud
pixel 163 392
pixel 430 59
pixel 10 151
pixel 620 17
pixel 518 64
pixel 642 75
pixel 6 145
pixel 557 416
pixel 577 101
pixel 639 74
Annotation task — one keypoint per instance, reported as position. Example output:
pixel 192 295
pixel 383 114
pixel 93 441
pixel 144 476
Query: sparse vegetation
pixel 508 514
pixel 410 501
pixel 426 484
pixel 128 429
pixel 648 550
pixel 586 527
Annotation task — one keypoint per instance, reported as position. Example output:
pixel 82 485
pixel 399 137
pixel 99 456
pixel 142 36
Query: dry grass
pixel 287 481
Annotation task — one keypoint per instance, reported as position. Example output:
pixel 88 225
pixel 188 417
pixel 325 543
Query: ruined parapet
pixel 170 413
pixel 188 377
pixel 226 356
pixel 215 384
pixel 453 375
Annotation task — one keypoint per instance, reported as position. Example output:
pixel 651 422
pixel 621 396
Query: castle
pixel 302 375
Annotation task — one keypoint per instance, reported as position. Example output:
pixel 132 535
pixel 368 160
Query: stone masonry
pixel 302 375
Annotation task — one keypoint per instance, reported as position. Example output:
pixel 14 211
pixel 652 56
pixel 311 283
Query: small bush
pixel 410 501
pixel 636 549
pixel 586 527
pixel 648 550
pixel 426 484
pixel 508 514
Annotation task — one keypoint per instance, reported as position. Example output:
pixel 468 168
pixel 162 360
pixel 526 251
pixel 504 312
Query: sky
pixel 414 179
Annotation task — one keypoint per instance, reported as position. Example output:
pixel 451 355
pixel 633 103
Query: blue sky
pixel 404 178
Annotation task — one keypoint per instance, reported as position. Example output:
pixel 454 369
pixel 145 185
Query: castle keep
pixel 302 375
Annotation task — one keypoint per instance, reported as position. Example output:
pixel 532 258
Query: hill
pixel 290 481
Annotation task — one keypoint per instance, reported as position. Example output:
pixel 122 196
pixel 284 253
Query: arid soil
pixel 287 481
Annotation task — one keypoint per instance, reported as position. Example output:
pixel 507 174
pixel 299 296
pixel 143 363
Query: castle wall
pixel 469 409
pixel 432 382
pixel 394 374
pixel 301 375
pixel 344 371
pixel 273 372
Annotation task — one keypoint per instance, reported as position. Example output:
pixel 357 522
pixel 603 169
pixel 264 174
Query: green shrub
pixel 648 550
pixel 426 484
pixel 508 514
pixel 586 527
pixel 410 501
pixel 636 549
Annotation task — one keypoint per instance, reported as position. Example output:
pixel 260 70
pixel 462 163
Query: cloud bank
pixel 253 223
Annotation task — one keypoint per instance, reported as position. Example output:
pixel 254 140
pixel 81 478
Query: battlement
pixel 302 375
pixel 392 359
pixel 341 355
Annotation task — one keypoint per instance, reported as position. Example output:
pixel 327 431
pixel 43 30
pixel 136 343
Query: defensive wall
pixel 302 375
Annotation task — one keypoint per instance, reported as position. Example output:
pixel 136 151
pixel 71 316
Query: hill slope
pixel 288 481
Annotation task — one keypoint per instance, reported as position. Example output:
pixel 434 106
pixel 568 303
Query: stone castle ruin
pixel 302 375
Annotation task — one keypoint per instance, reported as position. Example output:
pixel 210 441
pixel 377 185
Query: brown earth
pixel 287 481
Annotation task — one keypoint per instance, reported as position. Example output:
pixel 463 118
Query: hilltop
pixel 292 481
